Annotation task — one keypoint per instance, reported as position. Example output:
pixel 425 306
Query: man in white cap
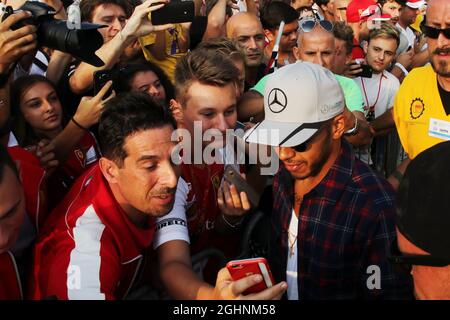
pixel 332 218
pixel 408 14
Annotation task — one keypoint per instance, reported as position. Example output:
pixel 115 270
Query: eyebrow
pixel 31 100
pixel 215 110
pixel 12 209
pixel 147 157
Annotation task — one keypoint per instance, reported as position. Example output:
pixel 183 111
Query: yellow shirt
pixel 172 50
pixel 419 113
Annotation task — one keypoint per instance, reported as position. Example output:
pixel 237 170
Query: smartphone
pixel 246 267
pixel 101 77
pixel 234 177
pixel 176 11
pixel 366 72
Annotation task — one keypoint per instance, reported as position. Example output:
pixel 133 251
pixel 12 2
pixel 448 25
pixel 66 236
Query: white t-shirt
pixel 173 226
pixel 408 33
pixel 369 89
pixel 291 269
pixel 388 90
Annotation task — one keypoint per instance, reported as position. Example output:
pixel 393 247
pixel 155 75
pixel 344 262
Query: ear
pixel 269 35
pixel 338 126
pixel 365 46
pixel 109 169
pixel 296 52
pixel 177 112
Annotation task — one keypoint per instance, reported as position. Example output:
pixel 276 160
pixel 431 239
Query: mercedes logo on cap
pixel 277 100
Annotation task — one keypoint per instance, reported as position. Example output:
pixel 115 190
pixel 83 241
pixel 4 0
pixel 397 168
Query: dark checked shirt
pixel 346 224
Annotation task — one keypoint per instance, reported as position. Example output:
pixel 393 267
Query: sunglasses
pixel 433 33
pixel 406 261
pixel 306 25
pixel 303 146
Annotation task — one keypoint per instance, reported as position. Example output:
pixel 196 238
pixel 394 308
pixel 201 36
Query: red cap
pixel 356 7
pixel 415 4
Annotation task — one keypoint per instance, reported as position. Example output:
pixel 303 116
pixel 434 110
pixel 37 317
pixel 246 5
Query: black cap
pixel 423 201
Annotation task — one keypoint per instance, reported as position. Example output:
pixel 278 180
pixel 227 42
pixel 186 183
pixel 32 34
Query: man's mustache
pixel 163 192
pixel 442 50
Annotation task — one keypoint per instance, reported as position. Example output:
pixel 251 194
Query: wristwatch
pixel 353 131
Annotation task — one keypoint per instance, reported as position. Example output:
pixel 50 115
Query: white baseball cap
pixel 297 99
pixel 415 4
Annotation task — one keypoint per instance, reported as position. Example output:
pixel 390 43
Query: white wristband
pixel 405 72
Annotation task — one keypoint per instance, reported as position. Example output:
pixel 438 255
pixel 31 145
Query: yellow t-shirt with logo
pixel 172 50
pixel 419 113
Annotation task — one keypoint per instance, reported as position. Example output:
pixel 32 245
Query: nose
pixel 116 25
pixel 169 176
pixel 48 107
pixel 293 35
pixel 319 59
pixel 252 43
pixel 221 124
pixel 153 91
pixel 284 153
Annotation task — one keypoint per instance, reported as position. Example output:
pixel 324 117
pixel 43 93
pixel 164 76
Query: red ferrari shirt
pixel 89 249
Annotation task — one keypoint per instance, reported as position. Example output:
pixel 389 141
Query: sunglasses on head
pixel 433 33
pixel 307 24
pixel 406 261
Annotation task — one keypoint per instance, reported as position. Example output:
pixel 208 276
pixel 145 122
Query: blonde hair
pixel 385 31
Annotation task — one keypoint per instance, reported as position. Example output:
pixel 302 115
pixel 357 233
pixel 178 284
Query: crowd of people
pixel 310 133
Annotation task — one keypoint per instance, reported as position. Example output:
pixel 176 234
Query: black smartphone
pixel 366 72
pixel 176 11
pixel 101 77
pixel 232 176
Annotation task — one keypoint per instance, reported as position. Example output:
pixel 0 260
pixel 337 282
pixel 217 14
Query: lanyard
pixel 372 107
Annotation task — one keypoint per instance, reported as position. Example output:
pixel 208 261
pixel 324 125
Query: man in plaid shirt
pixel 333 218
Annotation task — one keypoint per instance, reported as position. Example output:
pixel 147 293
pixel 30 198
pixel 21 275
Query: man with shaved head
pixel 422 105
pixel 246 31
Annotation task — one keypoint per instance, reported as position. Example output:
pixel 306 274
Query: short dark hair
pixel 344 32
pixel 128 72
pixel 87 7
pixel 275 12
pixel 321 2
pixel 381 3
pixel 7 162
pixel 125 115
pixel 206 67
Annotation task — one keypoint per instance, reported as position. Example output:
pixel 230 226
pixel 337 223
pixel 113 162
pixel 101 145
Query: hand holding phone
pixel 233 177
pixel 366 72
pixel 246 267
pixel 101 77
pixel 176 11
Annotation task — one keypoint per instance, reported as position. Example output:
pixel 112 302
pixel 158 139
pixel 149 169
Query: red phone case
pixel 242 268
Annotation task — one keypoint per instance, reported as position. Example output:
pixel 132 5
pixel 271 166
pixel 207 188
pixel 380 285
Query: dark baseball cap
pixel 423 201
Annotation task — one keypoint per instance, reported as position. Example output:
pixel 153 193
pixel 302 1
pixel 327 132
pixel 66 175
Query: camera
pixel 54 34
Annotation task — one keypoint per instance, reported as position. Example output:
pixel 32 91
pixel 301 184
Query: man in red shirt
pixel 206 101
pixel 12 214
pixel 358 11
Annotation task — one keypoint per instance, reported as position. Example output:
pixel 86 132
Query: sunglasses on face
pixel 406 261
pixel 303 146
pixel 306 25
pixel 433 33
